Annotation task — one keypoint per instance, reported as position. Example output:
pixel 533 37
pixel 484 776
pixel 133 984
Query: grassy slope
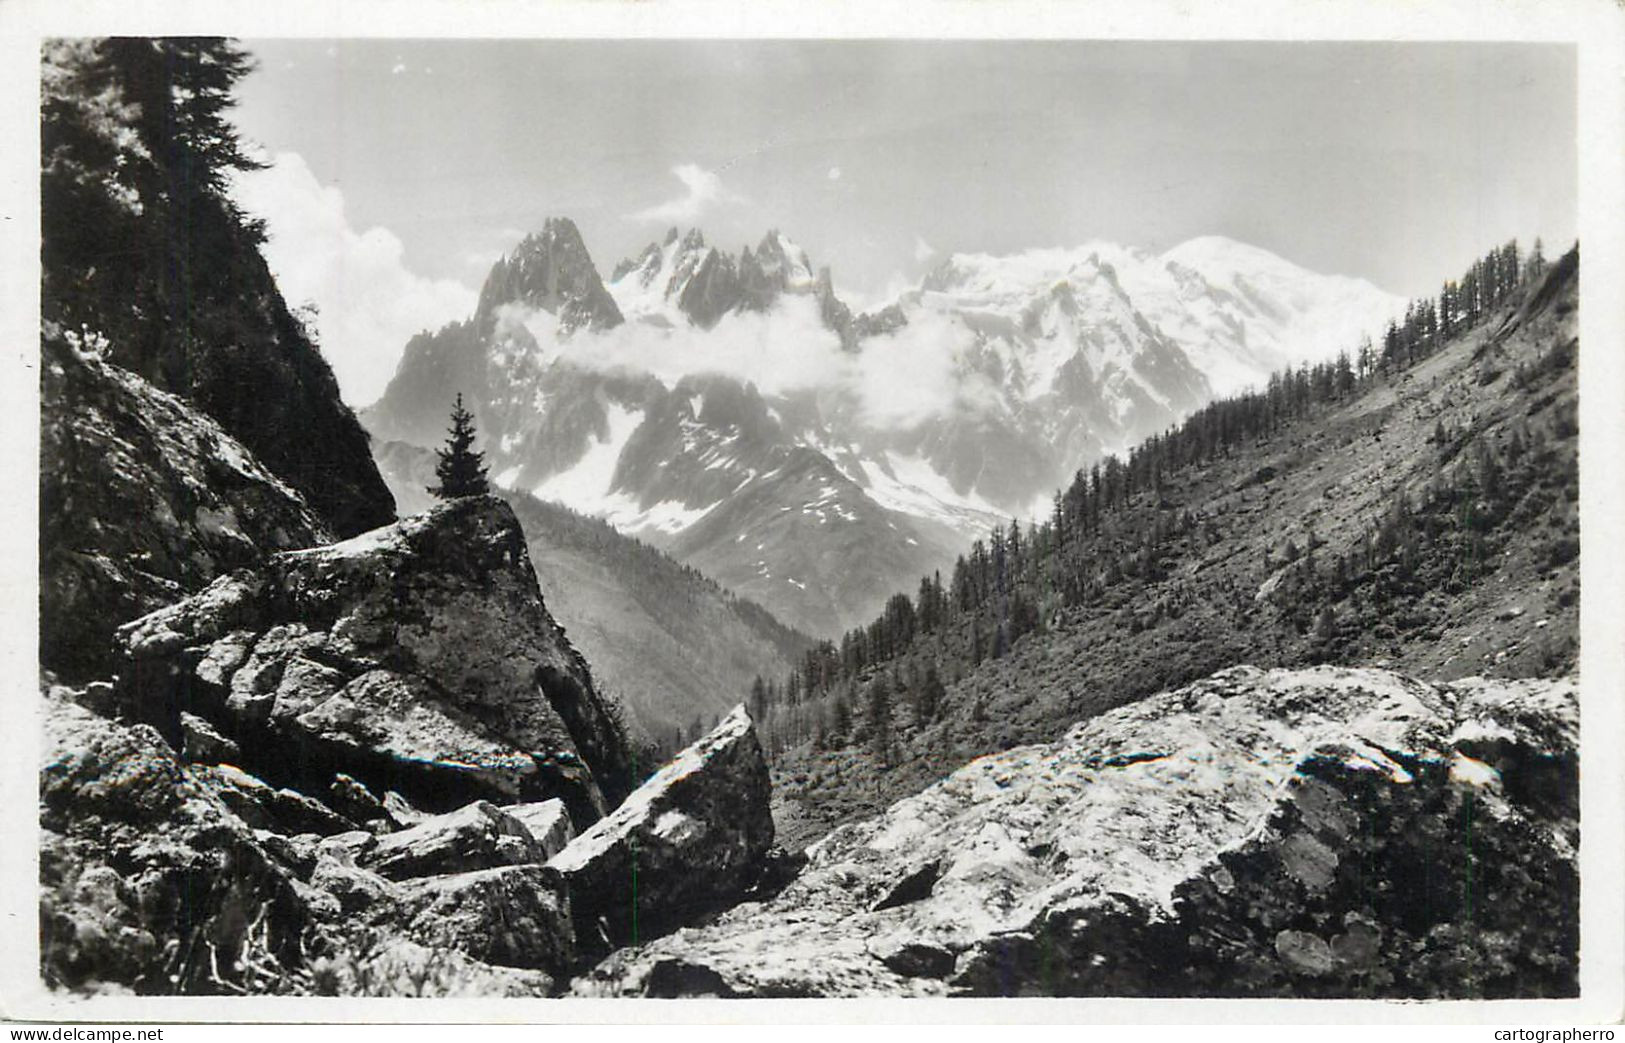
pixel 669 643
pixel 1511 610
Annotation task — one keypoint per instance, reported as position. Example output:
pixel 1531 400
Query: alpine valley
pixel 1078 622
pixel 733 411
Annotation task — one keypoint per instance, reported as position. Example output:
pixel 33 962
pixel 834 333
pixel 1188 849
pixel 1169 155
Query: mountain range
pixel 733 410
pixel 293 746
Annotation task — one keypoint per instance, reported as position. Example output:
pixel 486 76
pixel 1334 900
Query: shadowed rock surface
pixel 263 806
pixel 687 843
pixel 143 499
pixel 417 658
pixel 1325 832
pixel 148 881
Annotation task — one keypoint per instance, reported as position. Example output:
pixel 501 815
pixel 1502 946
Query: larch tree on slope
pixel 461 470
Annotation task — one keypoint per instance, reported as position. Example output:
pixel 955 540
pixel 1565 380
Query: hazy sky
pixel 405 167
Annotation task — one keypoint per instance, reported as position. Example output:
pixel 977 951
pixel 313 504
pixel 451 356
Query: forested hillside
pixel 1413 504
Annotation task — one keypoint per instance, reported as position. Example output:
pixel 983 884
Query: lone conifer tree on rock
pixel 461 470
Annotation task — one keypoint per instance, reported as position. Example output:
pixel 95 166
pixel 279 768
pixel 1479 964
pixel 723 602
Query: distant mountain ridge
pixel 684 278
pixel 732 409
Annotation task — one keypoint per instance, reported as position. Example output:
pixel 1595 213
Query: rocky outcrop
pixel 148 880
pixel 512 916
pixel 1328 832
pixel 143 499
pixel 158 876
pixel 688 842
pixel 417 658
pixel 263 806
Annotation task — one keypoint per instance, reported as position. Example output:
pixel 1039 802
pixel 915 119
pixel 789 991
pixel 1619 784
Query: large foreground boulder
pixel 417 658
pixel 1316 833
pixel 686 843
pixel 143 499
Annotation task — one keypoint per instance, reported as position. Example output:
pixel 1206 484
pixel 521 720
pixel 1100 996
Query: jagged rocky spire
pixel 550 270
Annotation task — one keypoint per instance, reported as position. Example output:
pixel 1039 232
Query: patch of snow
pixel 910 485
pixel 585 485
pixel 667 516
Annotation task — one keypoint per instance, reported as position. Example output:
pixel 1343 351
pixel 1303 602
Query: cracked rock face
pixel 158 876
pixel 143 499
pixel 686 843
pixel 148 880
pixel 418 658
pixel 478 836
pixel 1325 832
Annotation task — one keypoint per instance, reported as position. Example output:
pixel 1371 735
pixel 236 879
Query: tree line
pixel 1018 580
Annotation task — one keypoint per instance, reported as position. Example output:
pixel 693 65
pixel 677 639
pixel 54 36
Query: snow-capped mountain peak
pixel 970 399
pixel 549 271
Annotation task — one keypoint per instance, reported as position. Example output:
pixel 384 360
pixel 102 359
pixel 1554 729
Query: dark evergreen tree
pixel 880 719
pixel 758 699
pixel 841 719
pixel 932 692
pixel 461 470
pixel 1537 260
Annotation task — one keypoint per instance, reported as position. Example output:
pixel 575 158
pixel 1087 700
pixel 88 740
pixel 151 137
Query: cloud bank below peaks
pixel 895 382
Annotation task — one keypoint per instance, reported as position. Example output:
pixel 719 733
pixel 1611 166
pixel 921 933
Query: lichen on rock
pixel 417 658
pixel 686 843
pixel 1287 833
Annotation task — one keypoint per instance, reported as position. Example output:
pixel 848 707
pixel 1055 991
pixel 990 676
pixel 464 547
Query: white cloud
pixel 782 350
pixel 398 68
pixel 703 188
pixel 923 251
pixel 895 382
pixel 835 173
pixel 370 304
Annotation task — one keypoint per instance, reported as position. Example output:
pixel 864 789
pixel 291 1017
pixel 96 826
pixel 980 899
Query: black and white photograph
pixel 821 514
